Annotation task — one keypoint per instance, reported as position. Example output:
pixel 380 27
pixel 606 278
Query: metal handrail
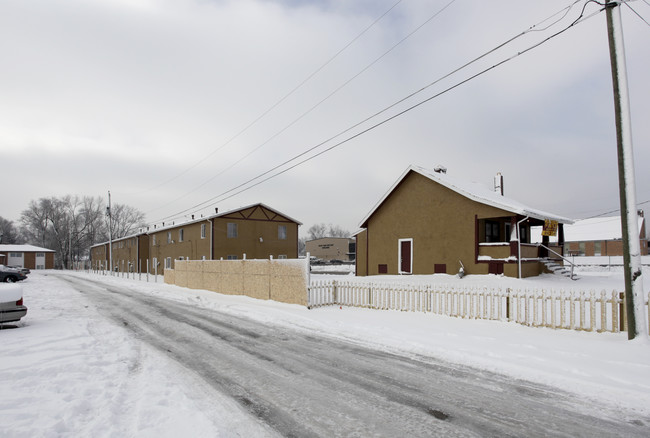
pixel 560 256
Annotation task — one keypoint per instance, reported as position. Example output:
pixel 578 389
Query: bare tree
pixel 318 231
pixel 125 220
pixel 8 233
pixel 71 225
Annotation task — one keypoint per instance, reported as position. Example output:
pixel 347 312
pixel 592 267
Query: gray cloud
pixel 124 96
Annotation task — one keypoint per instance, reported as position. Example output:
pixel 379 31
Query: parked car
pixel 11 303
pixel 10 275
pixel 21 269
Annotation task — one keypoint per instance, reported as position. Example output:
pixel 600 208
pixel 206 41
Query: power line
pixel 276 104
pixel 304 114
pixel 614 211
pixel 563 12
pixel 243 186
pixel 635 12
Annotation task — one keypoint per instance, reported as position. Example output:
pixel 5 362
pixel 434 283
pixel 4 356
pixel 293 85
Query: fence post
pixel 508 304
pixel 621 310
pixel 603 311
pixel 615 327
pixel 334 293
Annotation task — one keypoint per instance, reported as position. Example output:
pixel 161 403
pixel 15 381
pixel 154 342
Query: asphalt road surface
pixel 307 385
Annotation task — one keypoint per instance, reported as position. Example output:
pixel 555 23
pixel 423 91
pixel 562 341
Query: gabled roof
pixel 201 219
pixel 599 228
pixel 475 191
pixel 257 205
pixel 23 248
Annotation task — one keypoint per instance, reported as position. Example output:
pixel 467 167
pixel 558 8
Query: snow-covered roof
pixel 23 248
pixel 225 213
pixel 599 228
pixel 476 192
pixel 175 224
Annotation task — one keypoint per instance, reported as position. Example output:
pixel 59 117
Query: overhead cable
pixel 276 104
pixel 312 108
pixel 245 186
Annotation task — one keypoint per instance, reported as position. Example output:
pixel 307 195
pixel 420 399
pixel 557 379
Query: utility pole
pixel 110 232
pixel 636 321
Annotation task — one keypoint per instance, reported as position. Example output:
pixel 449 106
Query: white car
pixel 11 303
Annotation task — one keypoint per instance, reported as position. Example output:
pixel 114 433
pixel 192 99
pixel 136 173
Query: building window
pixel 508 228
pixel 168 263
pixel 598 248
pixel 492 231
pixel 202 231
pixel 181 235
pixel 40 254
pixel 15 254
pixel 169 237
pixel 232 230
pixel 231 257
pixel 153 240
pixel 524 234
pixel 581 248
pixel 282 232
pixel 282 257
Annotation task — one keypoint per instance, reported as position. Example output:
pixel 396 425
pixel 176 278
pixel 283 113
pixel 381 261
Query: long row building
pixel 254 232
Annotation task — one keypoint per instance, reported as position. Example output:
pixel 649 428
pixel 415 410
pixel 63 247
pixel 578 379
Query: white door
pixel 40 260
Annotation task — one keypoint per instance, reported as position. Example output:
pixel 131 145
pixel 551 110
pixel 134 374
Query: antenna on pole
pixel 636 324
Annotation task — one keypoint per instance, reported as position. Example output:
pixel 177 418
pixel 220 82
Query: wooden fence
pixel 573 310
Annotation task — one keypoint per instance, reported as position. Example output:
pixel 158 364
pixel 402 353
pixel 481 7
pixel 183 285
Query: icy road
pixel 306 385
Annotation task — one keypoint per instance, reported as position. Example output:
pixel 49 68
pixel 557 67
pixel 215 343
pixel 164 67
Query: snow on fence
pixel 573 310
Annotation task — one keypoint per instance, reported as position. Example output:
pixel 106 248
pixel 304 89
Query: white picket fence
pixel 573 310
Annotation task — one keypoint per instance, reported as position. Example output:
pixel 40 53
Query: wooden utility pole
pixel 636 321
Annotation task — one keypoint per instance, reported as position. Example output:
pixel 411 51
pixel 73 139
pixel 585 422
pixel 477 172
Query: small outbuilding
pixel 430 222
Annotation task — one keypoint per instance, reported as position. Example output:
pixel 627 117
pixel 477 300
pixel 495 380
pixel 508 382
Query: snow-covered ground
pixel 66 371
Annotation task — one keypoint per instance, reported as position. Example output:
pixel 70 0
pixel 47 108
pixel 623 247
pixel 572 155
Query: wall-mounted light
pixel 261 240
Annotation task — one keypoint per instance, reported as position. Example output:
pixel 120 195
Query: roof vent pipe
pixel 498 183
pixel 216 210
pixel 440 169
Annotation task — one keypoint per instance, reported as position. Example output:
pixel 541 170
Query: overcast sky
pixel 156 100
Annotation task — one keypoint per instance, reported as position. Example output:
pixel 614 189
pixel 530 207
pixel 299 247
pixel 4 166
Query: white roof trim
pixel 23 248
pixel 475 191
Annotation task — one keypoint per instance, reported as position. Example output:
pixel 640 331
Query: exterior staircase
pixel 556 268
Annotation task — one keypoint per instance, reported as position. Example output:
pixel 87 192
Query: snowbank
pixel 68 372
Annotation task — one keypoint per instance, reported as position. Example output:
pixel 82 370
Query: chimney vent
pixel 192 217
pixel 498 183
pixel 216 210
pixel 440 169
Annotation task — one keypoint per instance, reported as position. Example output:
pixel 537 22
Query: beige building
pixel 129 254
pixel 253 232
pixel 332 248
pixel 430 222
